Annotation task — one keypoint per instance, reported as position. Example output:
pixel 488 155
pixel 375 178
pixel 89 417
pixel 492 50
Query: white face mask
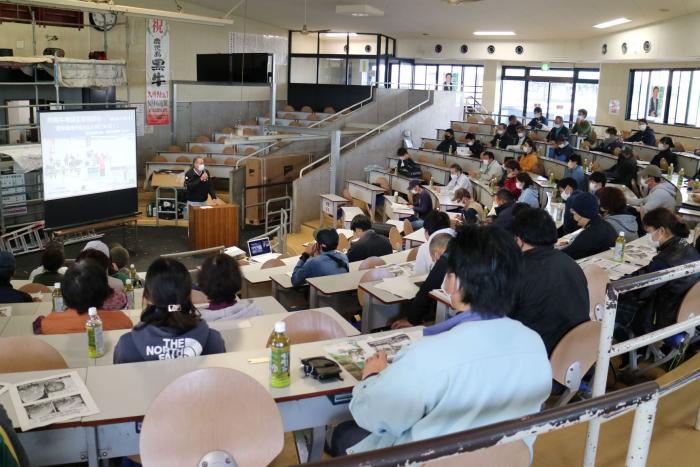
pixel 558 125
pixel 500 132
pixel 454 176
pixel 526 149
pixel 414 192
pixel 200 167
pixel 662 146
pixel 642 127
pixel 520 185
pixel 484 163
pixel 538 115
pixel 469 143
pixel 520 135
pixel 652 242
pixel 565 195
pixel 592 187
pixel 563 145
pixel 580 117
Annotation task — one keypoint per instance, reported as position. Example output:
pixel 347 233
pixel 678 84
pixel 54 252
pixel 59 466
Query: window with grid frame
pixel 668 96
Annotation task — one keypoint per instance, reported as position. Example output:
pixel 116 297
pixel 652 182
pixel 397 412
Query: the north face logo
pixel 179 347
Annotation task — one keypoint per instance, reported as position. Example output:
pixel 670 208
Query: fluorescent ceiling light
pixel 358 10
pixel 494 33
pixel 612 22
pixel 127 10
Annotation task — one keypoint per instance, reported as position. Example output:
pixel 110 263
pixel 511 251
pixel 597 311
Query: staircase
pixel 395 111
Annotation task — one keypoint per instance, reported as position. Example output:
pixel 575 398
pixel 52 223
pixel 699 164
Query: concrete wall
pixel 446 106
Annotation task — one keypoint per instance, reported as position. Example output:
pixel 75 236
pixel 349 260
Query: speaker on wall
pixel 519 50
pixel 368 48
pixel 491 49
pixel 464 48
pixel 646 46
pixel 623 47
pixel 604 49
pixel 438 48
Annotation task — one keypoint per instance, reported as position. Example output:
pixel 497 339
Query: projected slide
pixel 88 152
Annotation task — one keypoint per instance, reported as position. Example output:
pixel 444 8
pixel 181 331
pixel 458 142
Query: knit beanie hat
pixel 585 205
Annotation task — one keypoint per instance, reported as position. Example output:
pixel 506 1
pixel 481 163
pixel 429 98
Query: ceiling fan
pixel 304 29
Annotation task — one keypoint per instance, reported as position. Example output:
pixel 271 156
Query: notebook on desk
pixel 260 250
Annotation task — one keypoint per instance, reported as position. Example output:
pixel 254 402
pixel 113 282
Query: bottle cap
pixel 131 265
pixel 128 282
pixel 57 285
pixel 280 327
pixel 92 311
pixel 622 234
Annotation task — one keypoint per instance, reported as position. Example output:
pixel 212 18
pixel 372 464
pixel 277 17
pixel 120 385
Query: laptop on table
pixel 260 250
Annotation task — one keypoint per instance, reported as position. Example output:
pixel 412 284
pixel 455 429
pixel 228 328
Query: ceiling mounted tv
pixel 233 68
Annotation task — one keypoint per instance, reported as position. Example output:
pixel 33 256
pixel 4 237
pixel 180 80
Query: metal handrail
pixel 360 104
pixel 367 134
pixel 371 97
pixel 641 398
pixel 606 348
pixel 280 230
pixel 204 251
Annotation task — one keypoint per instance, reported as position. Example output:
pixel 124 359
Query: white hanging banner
pixel 157 72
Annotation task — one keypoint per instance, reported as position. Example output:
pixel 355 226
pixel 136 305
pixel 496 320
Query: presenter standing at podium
pixel 198 185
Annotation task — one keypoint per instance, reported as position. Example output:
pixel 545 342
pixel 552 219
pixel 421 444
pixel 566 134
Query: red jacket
pixel 510 185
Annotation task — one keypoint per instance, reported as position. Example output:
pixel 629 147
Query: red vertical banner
pixel 157 72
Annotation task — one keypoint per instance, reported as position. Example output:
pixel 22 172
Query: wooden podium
pixel 212 226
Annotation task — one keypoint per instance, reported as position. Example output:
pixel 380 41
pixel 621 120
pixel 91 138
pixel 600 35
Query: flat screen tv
pixel 233 68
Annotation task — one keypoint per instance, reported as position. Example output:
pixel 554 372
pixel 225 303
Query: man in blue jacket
pixel 477 368
pixel 320 259
pixel 645 134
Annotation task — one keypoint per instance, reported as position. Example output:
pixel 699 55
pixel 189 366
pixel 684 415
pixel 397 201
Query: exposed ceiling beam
pixel 127 10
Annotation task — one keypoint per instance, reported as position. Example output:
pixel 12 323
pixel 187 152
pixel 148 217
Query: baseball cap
pixel 651 171
pixel 413 183
pixel 97 245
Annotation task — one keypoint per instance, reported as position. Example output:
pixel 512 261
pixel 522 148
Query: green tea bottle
pixel 279 357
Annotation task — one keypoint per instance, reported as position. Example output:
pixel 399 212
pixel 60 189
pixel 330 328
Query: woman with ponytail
pixel 170 327
pixel 657 306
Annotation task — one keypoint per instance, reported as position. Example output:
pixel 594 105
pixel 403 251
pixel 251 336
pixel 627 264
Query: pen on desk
pixel 253 361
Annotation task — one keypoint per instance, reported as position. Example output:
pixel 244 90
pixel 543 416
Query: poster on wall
pixel 614 107
pixel 157 72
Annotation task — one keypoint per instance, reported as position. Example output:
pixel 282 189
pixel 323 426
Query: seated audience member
pixel 660 193
pixel 625 169
pixel 512 168
pixel 490 168
pixel 436 222
pixel 512 128
pixel 575 170
pixel 563 149
pixel 666 156
pixel 558 130
pixel 597 235
pixel 422 203
pixel 596 181
pixel 369 242
pixel 474 145
pixel 613 207
pixel 121 260
pixel 9 294
pixel 503 203
pixel 529 192
pixel 530 160
pixel 320 259
pixel 405 165
pixel 568 190
pixel 645 134
pixel 422 308
pixel 448 144
pixel 101 247
pixel 465 372
pixel 656 306
pixel 220 280
pixel 538 121
pixel 39 270
pixel 500 139
pixel 552 293
pixel 472 212
pixel 610 142
pixel 84 286
pixel 52 261
pixel 458 179
pixel 170 326
pixel 582 127
pixel 117 299
pixel 520 137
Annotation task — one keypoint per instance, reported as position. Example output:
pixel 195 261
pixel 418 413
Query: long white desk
pixel 256 281
pixel 365 192
pixel 439 173
pixel 415 238
pixel 391 304
pixel 123 394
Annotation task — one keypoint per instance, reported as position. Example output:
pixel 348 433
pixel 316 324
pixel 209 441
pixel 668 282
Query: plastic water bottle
pixel 57 298
pixel 133 275
pixel 670 169
pixel 95 334
pixel 431 182
pixel 550 181
pixel 619 253
pixel 585 165
pixel 279 357
pixel 129 291
pixel 681 176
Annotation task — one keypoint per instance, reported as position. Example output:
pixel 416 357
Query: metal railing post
pixel 642 428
